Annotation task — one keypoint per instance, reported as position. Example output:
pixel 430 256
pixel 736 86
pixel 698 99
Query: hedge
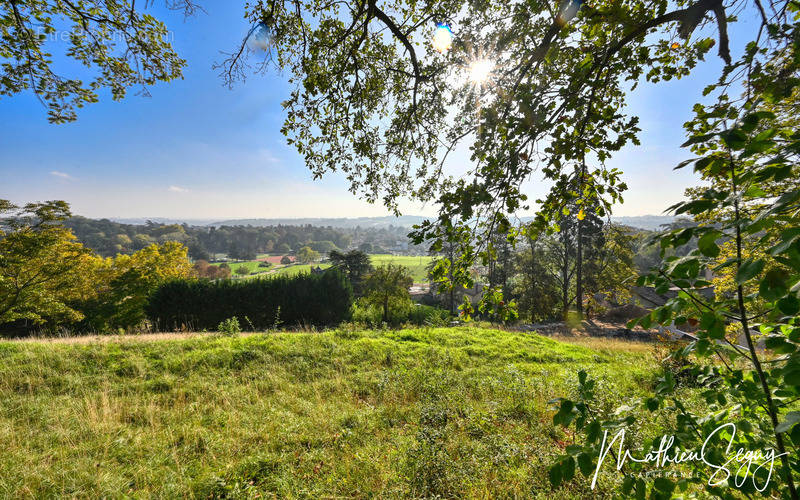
pixel 302 300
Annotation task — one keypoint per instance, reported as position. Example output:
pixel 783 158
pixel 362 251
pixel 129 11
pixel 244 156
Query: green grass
pixel 419 412
pixel 297 269
pixel 251 265
pixel 415 264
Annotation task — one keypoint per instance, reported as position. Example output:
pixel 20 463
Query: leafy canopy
pixel 120 46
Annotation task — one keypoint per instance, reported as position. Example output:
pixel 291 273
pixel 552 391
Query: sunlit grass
pixel 331 414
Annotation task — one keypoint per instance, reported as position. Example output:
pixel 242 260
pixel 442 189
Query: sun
pixel 480 70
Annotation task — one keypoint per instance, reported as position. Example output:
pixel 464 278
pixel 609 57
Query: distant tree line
pixel 51 283
pixel 109 238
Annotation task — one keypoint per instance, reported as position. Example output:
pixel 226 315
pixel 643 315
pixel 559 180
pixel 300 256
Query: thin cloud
pixel 177 189
pixel 267 156
pixel 61 175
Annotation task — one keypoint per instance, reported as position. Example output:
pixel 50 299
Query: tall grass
pixel 346 413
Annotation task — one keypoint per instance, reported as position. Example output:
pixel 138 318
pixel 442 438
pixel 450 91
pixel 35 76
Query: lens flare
pixel 569 10
pixel 260 38
pixel 442 38
pixel 480 70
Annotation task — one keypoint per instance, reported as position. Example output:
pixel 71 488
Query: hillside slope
pixel 454 412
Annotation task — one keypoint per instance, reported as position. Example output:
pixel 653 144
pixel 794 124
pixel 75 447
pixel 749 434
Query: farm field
pixel 456 412
pixel 295 269
pixel 251 265
pixel 415 264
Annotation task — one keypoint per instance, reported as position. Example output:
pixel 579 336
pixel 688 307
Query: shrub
pixel 399 314
pixel 229 327
pixel 305 299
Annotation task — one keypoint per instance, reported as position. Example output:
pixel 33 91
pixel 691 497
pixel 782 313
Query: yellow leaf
pixel 581 214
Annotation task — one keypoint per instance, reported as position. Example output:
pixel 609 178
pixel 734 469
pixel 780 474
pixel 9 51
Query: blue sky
pixel 196 149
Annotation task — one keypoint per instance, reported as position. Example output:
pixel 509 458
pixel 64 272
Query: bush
pixel 399 314
pixel 230 327
pixel 264 264
pixel 305 299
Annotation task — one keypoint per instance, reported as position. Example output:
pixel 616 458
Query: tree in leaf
pixel 306 255
pixel 373 94
pixel 43 270
pixel 134 277
pixel 388 286
pixel 120 44
pixel 355 265
pixel 746 215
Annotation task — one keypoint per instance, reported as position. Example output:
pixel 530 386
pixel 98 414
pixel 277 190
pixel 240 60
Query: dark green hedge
pixel 304 300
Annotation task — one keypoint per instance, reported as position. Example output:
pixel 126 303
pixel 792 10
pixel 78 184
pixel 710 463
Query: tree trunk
pixel 579 271
pixel 565 275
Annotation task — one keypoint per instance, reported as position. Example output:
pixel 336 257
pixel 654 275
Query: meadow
pixel 458 412
pixel 415 264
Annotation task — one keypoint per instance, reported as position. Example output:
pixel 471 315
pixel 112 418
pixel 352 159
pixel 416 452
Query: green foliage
pixel 401 313
pixel 121 46
pixel 395 105
pixel 126 284
pixel 306 255
pixel 43 271
pixel 387 286
pixel 244 242
pixel 50 282
pixel 305 299
pixel 747 150
pixel 355 264
pixel 229 327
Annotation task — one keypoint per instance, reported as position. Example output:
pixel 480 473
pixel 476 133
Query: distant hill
pixel 648 222
pixel 138 221
pixel 344 222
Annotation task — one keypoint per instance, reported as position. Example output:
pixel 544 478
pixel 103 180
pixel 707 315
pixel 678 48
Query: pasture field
pixel 295 269
pixel 415 264
pixel 347 413
pixel 251 265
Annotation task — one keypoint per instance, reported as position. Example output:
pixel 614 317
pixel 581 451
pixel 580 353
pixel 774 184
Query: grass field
pixel 297 269
pixel 415 265
pixel 251 265
pixel 340 414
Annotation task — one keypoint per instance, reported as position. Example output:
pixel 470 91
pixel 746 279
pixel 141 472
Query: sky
pixel 195 149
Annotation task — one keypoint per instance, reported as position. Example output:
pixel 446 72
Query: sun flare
pixel 480 70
